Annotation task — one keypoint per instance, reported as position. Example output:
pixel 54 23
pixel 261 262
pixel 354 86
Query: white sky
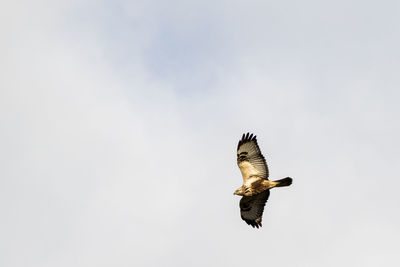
pixel 120 120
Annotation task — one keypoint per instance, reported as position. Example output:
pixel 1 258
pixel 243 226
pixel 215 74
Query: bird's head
pixel 239 192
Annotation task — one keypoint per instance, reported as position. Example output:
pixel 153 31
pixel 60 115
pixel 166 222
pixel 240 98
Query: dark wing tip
pixel 247 137
pixel 252 223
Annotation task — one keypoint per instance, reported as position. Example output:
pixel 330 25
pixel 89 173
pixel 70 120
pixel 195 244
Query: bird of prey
pixel 255 188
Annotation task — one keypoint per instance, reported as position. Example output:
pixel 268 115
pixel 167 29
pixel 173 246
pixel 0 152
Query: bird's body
pixel 255 188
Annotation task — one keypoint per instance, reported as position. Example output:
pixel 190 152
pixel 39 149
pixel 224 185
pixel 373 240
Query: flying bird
pixel 256 186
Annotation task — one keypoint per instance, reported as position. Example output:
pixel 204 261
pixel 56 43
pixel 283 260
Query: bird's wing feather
pixel 252 208
pixel 249 158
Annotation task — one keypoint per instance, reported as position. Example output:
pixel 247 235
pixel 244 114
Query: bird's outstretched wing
pixel 252 208
pixel 249 158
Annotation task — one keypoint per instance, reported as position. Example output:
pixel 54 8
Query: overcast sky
pixel 120 119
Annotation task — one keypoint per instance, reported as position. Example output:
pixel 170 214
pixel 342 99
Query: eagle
pixel 256 186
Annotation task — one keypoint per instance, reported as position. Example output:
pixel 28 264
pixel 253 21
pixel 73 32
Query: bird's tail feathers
pixel 283 182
